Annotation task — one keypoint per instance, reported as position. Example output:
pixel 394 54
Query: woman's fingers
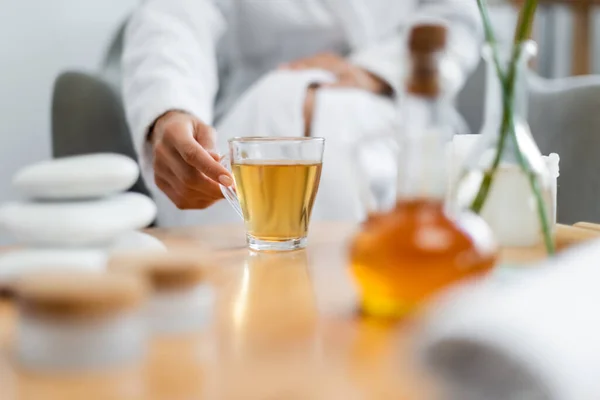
pixel 185 197
pixel 196 156
pixel 185 166
pixel 188 179
pixel 308 109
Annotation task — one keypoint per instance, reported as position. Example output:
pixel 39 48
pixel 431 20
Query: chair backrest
pixel 564 115
pixel 470 101
pixel 88 114
pixel 88 117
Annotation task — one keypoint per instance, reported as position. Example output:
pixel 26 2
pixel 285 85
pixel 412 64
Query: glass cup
pixel 276 182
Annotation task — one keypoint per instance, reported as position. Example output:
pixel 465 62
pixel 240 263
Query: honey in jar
pixel 402 257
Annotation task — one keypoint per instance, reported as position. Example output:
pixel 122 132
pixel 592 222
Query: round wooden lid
pixel 164 271
pixel 78 294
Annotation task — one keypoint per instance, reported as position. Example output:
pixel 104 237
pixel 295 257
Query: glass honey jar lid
pixel 166 272
pixel 78 320
pixel 182 299
pixel 71 295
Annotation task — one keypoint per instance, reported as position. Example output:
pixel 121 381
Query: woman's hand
pixel 348 74
pixel 186 167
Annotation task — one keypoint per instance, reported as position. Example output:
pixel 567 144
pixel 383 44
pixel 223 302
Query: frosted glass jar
pixel 73 321
pixel 181 299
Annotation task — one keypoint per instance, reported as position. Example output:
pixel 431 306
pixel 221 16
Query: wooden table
pixel 285 327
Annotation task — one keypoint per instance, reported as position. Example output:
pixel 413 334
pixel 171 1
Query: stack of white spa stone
pixel 76 212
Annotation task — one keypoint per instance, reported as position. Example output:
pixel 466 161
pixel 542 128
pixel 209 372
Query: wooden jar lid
pixel 79 294
pixel 428 38
pixel 425 41
pixel 164 271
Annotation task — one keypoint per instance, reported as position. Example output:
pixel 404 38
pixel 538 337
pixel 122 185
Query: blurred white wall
pixel 38 40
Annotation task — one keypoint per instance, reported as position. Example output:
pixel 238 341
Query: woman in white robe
pixel 220 63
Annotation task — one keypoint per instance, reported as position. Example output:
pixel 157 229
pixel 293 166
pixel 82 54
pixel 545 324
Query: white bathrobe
pixel 217 59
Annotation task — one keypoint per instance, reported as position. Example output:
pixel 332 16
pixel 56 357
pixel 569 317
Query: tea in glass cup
pixel 276 183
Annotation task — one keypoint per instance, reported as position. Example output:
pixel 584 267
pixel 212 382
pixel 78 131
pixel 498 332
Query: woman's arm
pixel 170 79
pixel 169 62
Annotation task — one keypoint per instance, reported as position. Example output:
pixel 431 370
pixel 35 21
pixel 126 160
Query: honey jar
pixel 73 321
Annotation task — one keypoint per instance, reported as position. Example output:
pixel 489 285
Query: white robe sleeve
pixel 169 62
pixel 386 59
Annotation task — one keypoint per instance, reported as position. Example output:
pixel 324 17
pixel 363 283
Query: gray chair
pixel 564 116
pixel 88 114
pixel 470 101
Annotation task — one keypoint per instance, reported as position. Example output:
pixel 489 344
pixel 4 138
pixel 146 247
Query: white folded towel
pixel 533 334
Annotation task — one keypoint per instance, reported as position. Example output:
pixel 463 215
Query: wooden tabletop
pixel 285 327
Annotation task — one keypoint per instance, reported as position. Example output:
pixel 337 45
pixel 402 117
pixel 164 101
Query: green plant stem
pixel 539 199
pixel 488 178
pixel 525 167
pixel 507 84
pixel 525 23
pixel 522 34
pixel 507 87
pixel 490 37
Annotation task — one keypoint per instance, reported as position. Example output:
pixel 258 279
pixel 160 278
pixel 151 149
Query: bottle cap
pixel 428 38
pixel 78 294
pixel 164 271
pixel 425 41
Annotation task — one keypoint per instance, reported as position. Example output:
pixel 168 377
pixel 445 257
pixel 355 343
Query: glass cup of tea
pixel 276 182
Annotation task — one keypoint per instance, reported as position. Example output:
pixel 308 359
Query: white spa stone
pixel 77 177
pixel 16 263
pixel 77 223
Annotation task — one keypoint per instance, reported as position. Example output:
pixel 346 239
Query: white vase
pixel 509 205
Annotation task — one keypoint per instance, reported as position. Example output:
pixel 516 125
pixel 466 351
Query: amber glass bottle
pixel 400 258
